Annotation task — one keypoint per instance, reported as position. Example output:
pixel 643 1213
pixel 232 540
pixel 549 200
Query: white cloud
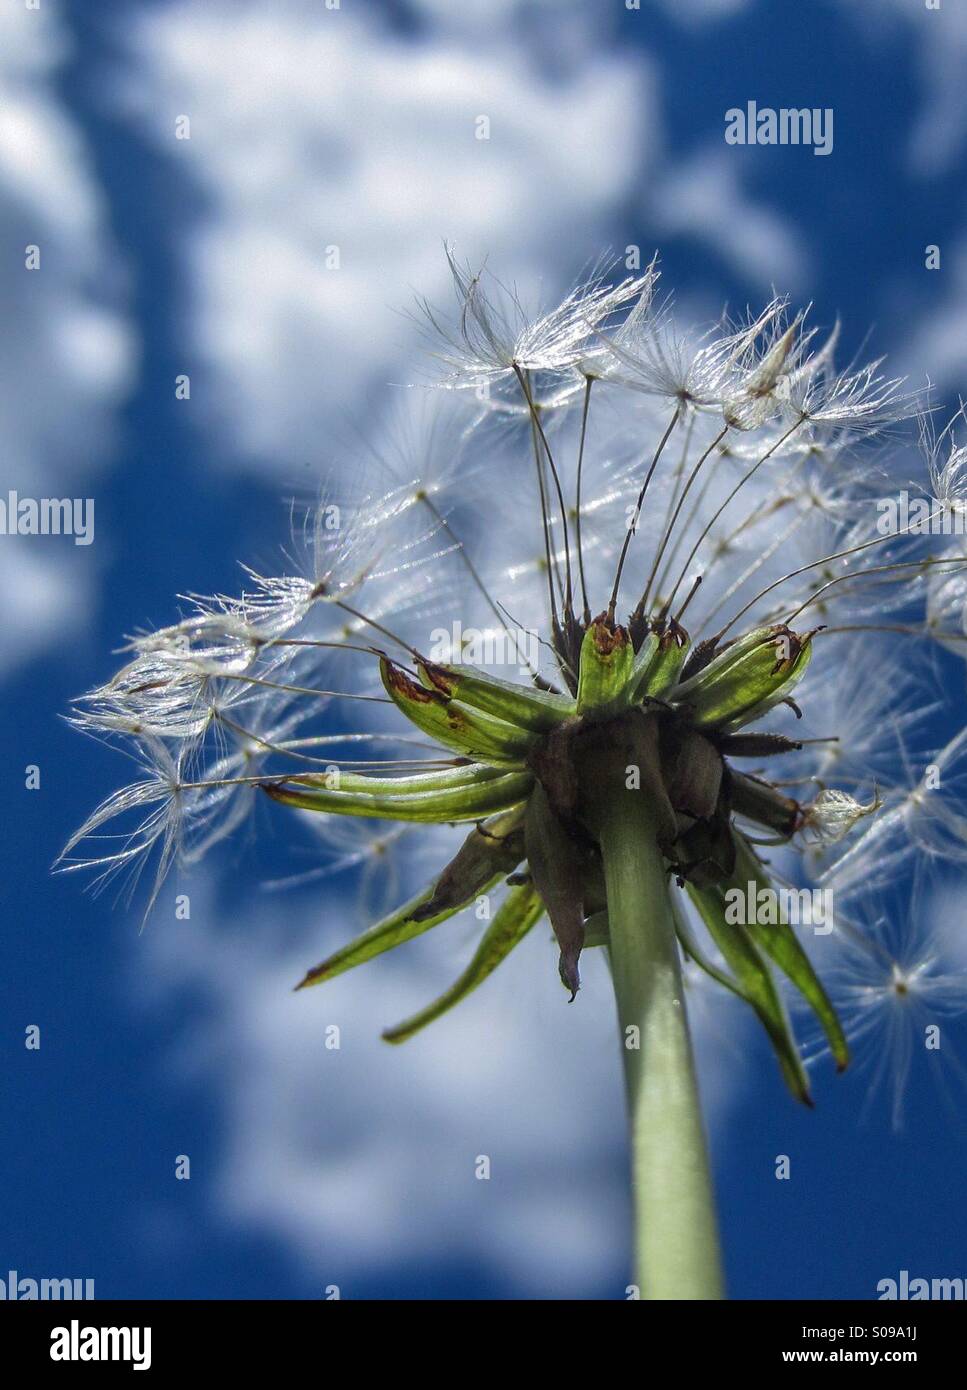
pixel 935 345
pixel 939 39
pixel 364 1156
pixel 46 593
pixel 66 365
pixel 314 128
pixel 704 198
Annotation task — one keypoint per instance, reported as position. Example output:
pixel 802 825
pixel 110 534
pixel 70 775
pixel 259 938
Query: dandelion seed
pixel 495 336
pixel 896 984
pixel 834 814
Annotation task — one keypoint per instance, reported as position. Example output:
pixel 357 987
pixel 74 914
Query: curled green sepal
pixel 607 662
pixel 400 925
pixel 754 982
pixel 516 915
pixel 490 850
pixel 645 658
pixel 659 662
pixel 780 941
pixel 455 725
pixel 452 794
pixel 745 680
pixel 537 711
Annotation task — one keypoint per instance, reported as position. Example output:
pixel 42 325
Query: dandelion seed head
pixel 711 492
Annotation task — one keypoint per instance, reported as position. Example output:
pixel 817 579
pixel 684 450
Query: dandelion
pixel 922 817
pixel 947 463
pixel 896 987
pixel 722 654
pixel 494 338
pixel 857 401
pixel 834 813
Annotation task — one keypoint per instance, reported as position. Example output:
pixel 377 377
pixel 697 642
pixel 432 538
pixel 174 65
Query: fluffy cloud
pixel 936 347
pixel 364 1156
pixel 938 34
pixel 67 364
pixel 315 129
pixel 757 241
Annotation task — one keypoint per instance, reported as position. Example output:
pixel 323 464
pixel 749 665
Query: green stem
pixel 676 1239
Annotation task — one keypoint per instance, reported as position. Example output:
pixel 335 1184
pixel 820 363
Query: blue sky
pixel 354 127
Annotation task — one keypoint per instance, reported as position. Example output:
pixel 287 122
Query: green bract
pixel 457 794
pixel 747 679
pixel 454 724
pixel 537 711
pixel 606 680
pixel 492 849
pixel 530 766
pixel 517 914
pixel 659 662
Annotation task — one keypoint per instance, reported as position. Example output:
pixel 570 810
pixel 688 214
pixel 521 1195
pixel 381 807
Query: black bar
pixel 320 1336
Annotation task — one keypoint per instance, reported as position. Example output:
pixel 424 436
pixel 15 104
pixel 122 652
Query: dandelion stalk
pixel 676 1236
